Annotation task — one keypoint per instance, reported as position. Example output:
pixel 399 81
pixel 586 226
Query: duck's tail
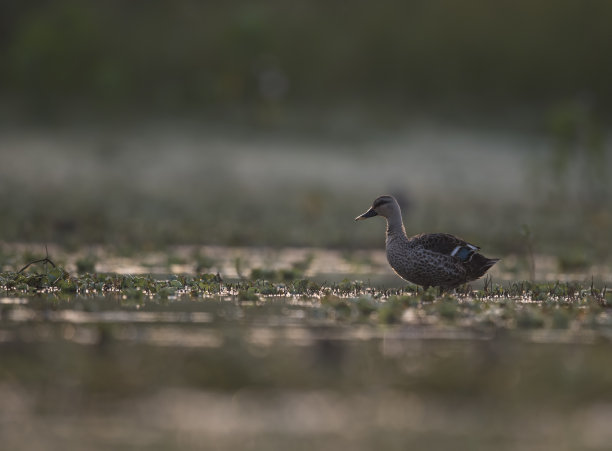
pixel 479 265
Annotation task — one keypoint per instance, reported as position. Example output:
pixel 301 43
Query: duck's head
pixel 383 206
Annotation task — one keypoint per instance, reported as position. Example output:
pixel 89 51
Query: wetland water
pixel 190 361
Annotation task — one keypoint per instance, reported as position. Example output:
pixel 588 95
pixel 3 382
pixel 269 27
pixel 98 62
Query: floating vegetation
pixel 519 305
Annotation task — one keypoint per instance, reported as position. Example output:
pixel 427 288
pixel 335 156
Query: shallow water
pixel 127 369
pixel 268 378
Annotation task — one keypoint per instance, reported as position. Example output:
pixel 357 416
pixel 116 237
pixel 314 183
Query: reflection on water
pixel 118 316
pixel 302 420
pixel 286 321
pixel 13 301
pixel 172 386
pixel 172 336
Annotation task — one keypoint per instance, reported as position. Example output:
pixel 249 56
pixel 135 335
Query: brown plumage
pixel 433 259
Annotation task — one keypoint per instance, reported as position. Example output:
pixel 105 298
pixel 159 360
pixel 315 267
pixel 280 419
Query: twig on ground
pixel 42 260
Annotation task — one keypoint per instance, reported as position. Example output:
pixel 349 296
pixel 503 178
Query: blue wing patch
pixel 464 253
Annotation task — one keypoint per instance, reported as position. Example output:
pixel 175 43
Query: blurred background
pixel 147 124
pixel 254 133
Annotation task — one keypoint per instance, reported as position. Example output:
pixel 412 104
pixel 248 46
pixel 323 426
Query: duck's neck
pixel 395 226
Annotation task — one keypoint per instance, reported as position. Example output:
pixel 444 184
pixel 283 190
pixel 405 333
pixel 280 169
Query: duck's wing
pixel 446 244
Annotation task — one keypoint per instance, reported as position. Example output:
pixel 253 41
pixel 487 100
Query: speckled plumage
pixel 433 259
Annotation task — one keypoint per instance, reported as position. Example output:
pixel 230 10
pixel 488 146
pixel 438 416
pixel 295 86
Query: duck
pixel 429 259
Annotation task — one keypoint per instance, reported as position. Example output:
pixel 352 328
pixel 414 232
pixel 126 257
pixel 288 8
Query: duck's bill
pixel 367 214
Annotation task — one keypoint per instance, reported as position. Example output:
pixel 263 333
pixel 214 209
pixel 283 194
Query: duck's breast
pixel 405 261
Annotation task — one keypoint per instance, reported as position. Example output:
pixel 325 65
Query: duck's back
pixel 441 243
